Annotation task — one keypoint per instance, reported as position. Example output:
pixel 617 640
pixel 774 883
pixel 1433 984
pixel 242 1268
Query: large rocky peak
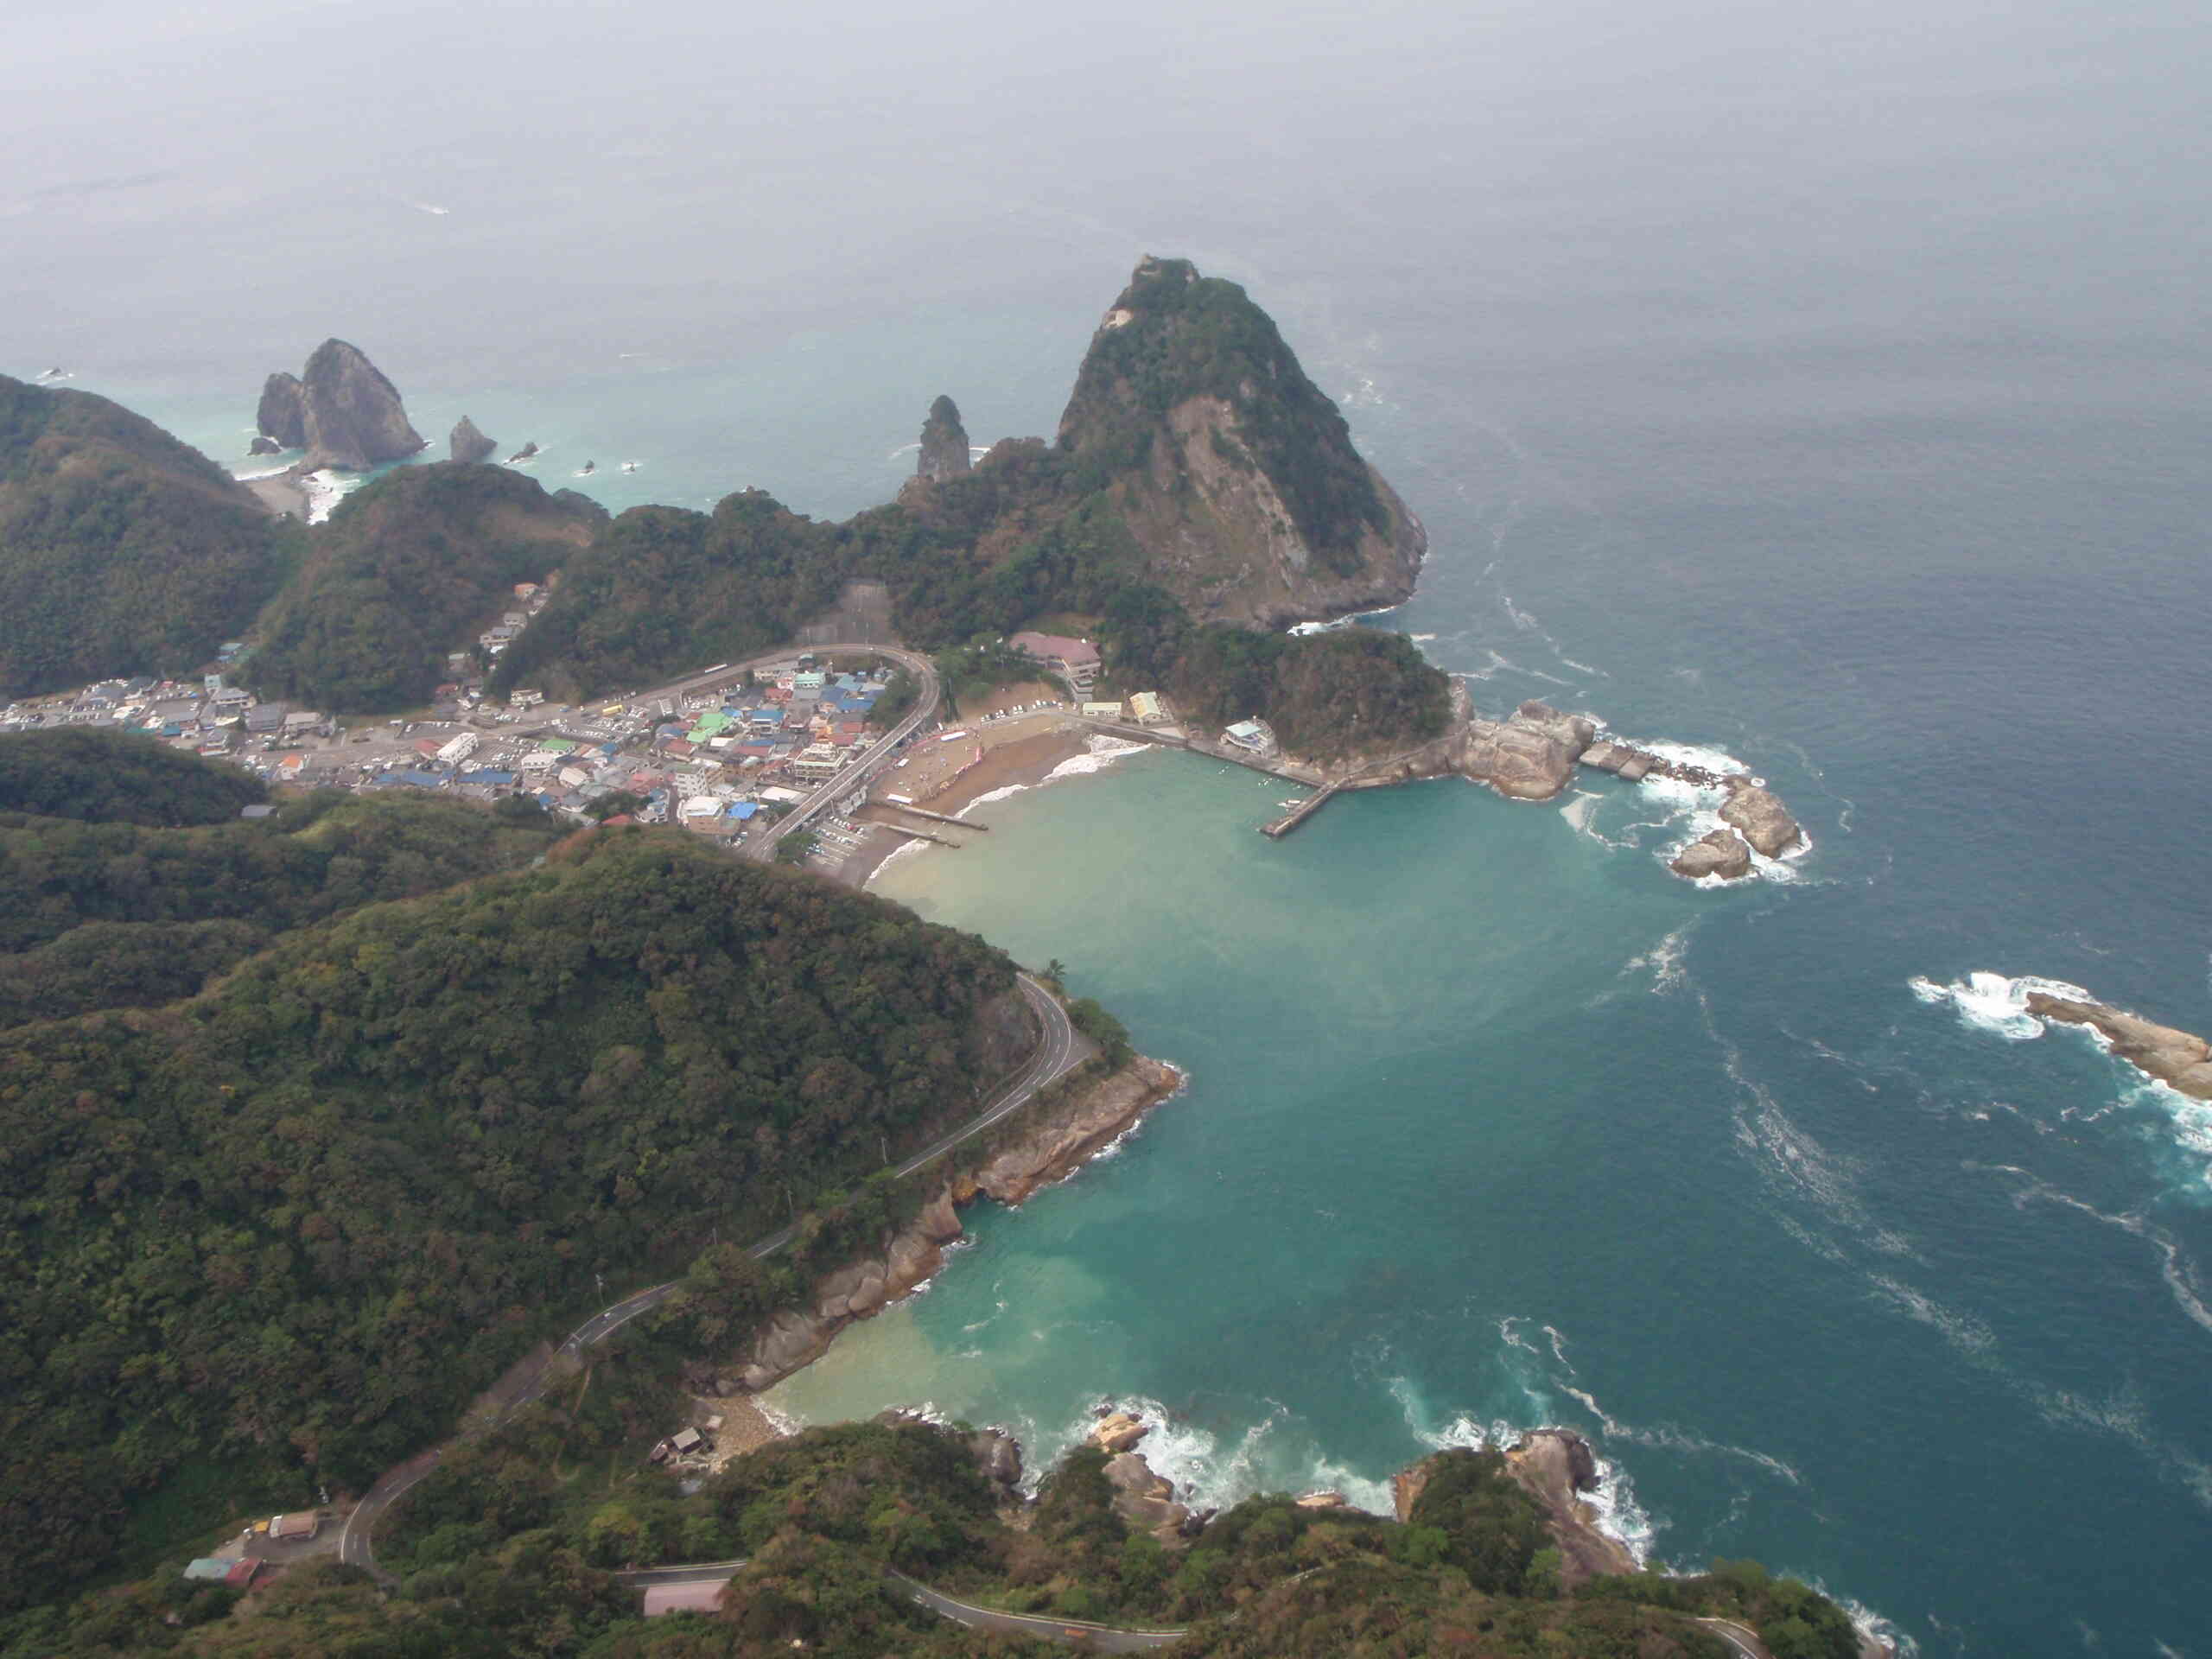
pixel 342 411
pixel 1235 472
pixel 945 443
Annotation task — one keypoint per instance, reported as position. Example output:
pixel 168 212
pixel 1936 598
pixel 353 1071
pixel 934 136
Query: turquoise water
pixel 1828 388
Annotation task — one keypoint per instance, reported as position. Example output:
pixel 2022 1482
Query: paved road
pixel 1057 1052
pixel 1074 1632
pixel 1742 1641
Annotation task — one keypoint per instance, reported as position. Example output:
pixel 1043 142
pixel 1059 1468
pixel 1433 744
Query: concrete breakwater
pixel 1530 755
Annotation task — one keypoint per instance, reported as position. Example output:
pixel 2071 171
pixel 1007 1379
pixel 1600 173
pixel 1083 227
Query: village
pixel 723 754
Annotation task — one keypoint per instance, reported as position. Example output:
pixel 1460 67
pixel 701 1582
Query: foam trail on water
pixel 1994 1003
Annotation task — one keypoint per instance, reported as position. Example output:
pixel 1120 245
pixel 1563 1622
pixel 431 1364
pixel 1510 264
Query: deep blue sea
pixel 1833 392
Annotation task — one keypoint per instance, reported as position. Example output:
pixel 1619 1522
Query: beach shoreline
pixel 1011 755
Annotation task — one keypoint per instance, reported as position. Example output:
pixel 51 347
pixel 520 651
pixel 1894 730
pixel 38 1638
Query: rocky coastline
pixel 1534 753
pixel 1048 1150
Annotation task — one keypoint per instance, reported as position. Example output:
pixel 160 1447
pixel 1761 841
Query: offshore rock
pixel 1234 473
pixel 1766 824
pixel 526 453
pixel 283 414
pixel 467 444
pixel 264 445
pixel 347 414
pixel 2175 1057
pixel 1722 853
pixel 945 443
pixel 1118 1432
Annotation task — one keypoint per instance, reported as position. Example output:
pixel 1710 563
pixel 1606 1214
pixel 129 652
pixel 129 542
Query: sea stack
pixel 282 416
pixel 945 443
pixel 342 411
pixel 1234 473
pixel 467 444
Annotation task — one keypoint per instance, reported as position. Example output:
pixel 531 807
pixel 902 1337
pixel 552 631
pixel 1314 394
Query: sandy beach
pixel 280 492
pixel 1013 752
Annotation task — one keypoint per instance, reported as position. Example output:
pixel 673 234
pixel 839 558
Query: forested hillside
pixel 408 568
pixel 118 915
pixel 110 776
pixel 501 1556
pixel 279 1232
pixel 122 550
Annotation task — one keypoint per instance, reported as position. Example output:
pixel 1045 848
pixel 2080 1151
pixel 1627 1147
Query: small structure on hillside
pixel 1253 736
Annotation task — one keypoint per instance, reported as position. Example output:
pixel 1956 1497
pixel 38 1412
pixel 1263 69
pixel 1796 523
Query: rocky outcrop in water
pixel 1766 824
pixel 1529 757
pixel 1722 853
pixel 264 445
pixel 342 411
pixel 945 444
pixel 282 416
pixel 528 452
pixel 467 444
pixel 2177 1059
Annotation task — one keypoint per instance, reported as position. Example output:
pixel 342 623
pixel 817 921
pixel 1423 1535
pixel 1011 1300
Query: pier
pixel 922 835
pixel 890 805
pixel 1297 815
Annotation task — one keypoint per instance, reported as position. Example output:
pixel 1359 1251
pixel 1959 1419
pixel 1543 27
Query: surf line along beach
pixel 998 751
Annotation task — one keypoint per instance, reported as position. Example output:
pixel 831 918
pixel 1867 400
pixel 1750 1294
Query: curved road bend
pixel 1055 1053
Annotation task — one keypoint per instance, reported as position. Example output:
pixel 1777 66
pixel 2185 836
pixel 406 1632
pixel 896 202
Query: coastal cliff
pixel 1046 1150
pixel 1232 471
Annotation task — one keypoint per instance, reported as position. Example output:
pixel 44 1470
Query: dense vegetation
pixel 104 916
pixel 507 1548
pixel 300 1217
pixel 110 777
pixel 122 550
pixel 409 568
pixel 1192 336
pixel 665 589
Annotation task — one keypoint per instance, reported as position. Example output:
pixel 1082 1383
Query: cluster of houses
pixel 710 762
pixel 207 714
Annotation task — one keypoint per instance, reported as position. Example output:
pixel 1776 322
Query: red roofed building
pixel 1075 661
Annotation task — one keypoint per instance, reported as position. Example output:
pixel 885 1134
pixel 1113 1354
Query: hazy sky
pixel 182 183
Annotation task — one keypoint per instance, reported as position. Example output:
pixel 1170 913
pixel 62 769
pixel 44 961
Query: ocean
pixel 1825 392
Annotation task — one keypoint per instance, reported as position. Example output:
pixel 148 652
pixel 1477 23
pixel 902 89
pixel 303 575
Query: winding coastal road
pixel 1057 1052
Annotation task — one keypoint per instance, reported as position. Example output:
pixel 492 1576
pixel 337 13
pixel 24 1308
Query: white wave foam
pixel 1694 810
pixel 906 848
pixel 1963 1331
pixel 1664 961
pixel 1994 1003
pixel 1991 1002
pixel 903 449
pixel 1103 752
pixel 2180 1274
pixel 1003 792
pixel 325 489
pixel 1558 1348
pixel 1667 1437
